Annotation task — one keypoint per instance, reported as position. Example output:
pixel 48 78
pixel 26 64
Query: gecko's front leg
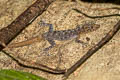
pixel 48 35
pixel 42 23
pixel 52 44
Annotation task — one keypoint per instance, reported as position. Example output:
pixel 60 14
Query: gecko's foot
pixel 43 23
pixel 46 49
pixel 81 42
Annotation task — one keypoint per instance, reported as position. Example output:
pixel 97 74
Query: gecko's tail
pixel 25 43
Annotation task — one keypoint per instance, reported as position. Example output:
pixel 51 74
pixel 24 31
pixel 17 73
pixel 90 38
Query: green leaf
pixel 7 74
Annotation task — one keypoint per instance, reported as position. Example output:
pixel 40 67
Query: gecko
pixel 60 35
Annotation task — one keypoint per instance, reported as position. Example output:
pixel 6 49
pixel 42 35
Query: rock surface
pixel 104 65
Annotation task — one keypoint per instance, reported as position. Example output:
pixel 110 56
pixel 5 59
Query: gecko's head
pixel 90 27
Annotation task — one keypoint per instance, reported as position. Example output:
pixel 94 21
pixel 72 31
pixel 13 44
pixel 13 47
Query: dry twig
pixel 23 20
pixel 93 17
pixel 41 67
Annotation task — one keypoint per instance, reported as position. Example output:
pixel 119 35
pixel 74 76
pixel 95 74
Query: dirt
pixel 104 65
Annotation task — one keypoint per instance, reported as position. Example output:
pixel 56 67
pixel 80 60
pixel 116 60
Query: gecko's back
pixel 70 33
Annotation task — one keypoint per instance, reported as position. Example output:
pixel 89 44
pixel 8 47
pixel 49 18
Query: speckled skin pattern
pixel 62 35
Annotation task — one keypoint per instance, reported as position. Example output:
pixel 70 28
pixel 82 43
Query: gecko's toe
pixel 81 42
pixel 46 49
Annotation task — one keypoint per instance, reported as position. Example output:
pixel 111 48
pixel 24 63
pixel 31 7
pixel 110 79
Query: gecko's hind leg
pixel 81 42
pixel 52 44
